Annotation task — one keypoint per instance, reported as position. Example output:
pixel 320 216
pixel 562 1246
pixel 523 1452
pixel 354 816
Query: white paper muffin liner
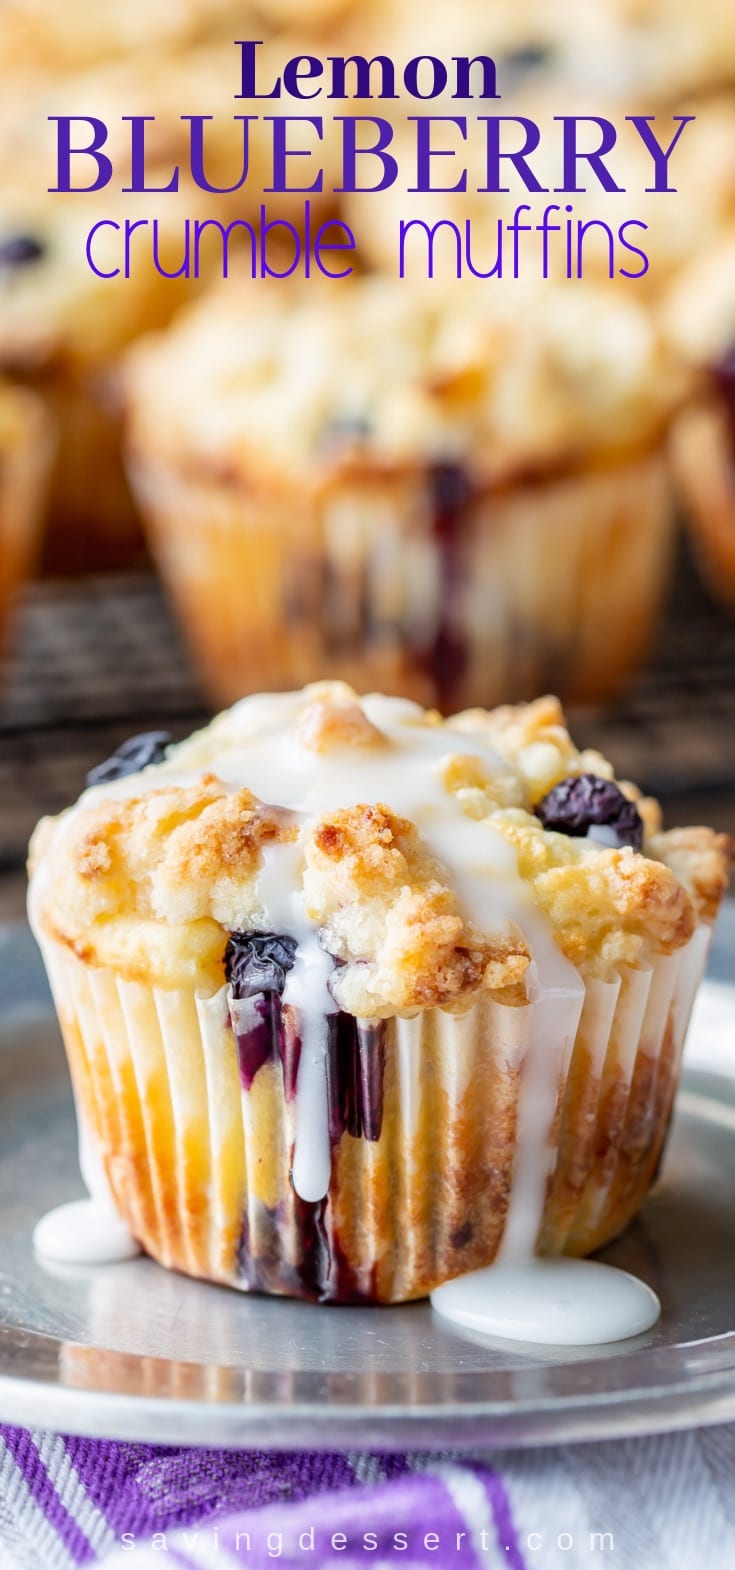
pixel 26 453
pixel 703 445
pixel 540 1125
pixel 555 583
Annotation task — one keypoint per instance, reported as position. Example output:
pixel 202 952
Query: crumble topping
pixel 411 846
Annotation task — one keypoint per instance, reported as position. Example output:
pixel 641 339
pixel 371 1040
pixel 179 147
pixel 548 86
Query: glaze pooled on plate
pixel 552 1302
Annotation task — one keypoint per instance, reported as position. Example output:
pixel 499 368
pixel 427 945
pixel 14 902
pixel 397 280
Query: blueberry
pixel 258 962
pixel 135 754
pixel 20 250
pixel 450 489
pixel 725 372
pixel 346 430
pixel 523 62
pixel 583 802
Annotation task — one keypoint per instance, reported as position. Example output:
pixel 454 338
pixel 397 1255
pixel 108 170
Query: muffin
pixel 699 316
pixel 659 49
pixel 61 331
pixel 319 15
pixel 40 34
pixel 25 455
pixel 355 998
pixel 637 236
pixel 62 327
pixel 170 88
pixel 451 495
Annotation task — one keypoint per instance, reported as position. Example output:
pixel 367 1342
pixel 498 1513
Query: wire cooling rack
pixel 99 658
pixel 94 659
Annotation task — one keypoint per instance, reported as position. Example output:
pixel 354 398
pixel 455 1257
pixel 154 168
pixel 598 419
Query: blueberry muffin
pixel 25 455
pixel 316 15
pixel 354 997
pixel 668 228
pixel 61 332
pixel 62 326
pixel 657 49
pixel 448 495
pixel 42 35
pixel 664 47
pixel 699 316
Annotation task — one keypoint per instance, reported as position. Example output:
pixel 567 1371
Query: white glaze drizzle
pixel 86 1231
pixel 307 991
pixel 557 993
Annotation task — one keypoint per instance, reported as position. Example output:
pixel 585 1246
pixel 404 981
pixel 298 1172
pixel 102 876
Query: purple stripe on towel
pixel 39 1483
pixel 413 1505
pixel 214 1495
pixel 146 1488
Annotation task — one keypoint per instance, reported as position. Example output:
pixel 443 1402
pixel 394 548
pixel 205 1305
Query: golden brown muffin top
pixel 371 373
pixel 410 849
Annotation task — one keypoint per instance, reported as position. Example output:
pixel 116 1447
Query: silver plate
pixel 130 1351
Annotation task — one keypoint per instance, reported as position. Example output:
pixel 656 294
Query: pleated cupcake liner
pixel 452 1138
pixel 25 462
pixel 89 528
pixel 376 579
pixel 703 446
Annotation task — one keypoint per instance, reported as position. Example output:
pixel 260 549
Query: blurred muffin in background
pixel 41 34
pixel 62 327
pixel 669 228
pixel 25 454
pixel 660 48
pixel 453 496
pixel 45 35
pixel 315 14
pixel 169 90
pixel 612 59
pixel 665 46
pixel 699 319
pixel 610 47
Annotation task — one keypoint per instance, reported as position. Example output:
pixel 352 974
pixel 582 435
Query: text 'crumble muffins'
pixel 458 495
pixel 354 997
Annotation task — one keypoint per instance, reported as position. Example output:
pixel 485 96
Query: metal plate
pixel 131 1351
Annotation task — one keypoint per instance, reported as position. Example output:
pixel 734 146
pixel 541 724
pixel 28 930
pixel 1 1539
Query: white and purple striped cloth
pixel 646 1504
